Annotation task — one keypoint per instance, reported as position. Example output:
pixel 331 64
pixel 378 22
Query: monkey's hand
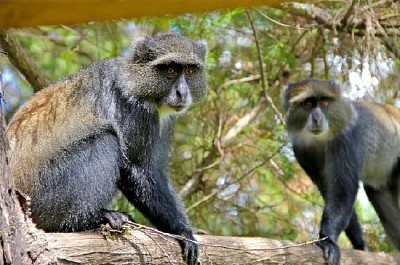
pixel 331 251
pixel 115 219
pixel 190 249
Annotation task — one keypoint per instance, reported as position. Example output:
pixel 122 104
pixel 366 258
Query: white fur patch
pixel 308 138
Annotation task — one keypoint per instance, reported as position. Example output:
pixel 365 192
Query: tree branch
pixel 244 121
pixel 350 22
pixel 264 82
pixel 146 246
pixel 22 61
pixel 389 44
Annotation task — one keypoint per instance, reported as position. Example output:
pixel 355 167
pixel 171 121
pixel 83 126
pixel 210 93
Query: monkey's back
pixel 53 119
pixel 380 127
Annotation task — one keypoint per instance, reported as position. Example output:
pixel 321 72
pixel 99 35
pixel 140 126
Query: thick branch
pixel 140 247
pixel 22 61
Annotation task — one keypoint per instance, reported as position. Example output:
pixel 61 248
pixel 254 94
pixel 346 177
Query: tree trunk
pixel 20 242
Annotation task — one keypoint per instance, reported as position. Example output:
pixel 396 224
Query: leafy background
pixel 231 162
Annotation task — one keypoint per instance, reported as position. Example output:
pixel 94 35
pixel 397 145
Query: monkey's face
pixel 309 117
pixel 315 110
pixel 176 94
pixel 166 71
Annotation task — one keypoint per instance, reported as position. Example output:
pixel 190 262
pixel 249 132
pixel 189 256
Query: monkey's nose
pixel 179 94
pixel 317 121
pixel 317 117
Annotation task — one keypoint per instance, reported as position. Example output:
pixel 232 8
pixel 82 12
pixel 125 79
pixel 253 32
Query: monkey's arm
pixel 150 191
pixel 312 161
pixel 339 189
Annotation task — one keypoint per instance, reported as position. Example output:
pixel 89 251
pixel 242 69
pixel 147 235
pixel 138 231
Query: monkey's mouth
pixel 170 109
pixel 178 108
pixel 316 131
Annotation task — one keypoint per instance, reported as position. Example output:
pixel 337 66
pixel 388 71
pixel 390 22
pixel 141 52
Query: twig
pixel 296 245
pixel 264 83
pixel 204 199
pixel 215 163
pixel 178 237
pixel 349 12
pixel 238 81
pixel 279 23
pixel 259 54
pixel 390 45
pixel 250 171
pixel 373 5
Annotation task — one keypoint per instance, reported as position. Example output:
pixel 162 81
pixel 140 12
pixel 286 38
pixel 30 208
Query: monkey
pixel 339 142
pixel 107 127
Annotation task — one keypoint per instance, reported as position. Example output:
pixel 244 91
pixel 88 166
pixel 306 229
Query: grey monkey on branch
pixel 107 127
pixel 339 142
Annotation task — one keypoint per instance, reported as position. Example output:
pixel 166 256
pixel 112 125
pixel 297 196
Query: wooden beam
pixel 30 13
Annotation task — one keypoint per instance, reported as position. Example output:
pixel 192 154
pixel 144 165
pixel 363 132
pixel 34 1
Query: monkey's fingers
pixel 190 250
pixel 331 251
pixel 190 253
pixel 115 219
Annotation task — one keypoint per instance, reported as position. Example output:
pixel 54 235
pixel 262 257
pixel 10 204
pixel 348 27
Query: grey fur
pixel 104 128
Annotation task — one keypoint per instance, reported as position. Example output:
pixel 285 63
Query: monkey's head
pixel 167 71
pixel 315 109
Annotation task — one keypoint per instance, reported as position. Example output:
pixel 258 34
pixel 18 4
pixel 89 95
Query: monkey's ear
pixel 143 50
pixel 334 87
pixel 201 47
pixel 285 96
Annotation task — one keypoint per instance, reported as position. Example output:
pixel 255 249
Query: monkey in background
pixel 109 126
pixel 339 142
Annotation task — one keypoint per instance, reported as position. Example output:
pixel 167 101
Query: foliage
pixel 234 143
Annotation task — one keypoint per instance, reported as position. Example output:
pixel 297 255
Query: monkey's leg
pixel 354 233
pixel 386 206
pixel 76 186
pixel 150 191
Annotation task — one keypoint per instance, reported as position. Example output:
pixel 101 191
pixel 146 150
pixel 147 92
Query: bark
pixel 20 242
pixel 148 247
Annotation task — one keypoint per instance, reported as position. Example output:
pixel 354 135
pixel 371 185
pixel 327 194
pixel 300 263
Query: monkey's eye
pixel 189 71
pixel 308 105
pixel 323 104
pixel 170 72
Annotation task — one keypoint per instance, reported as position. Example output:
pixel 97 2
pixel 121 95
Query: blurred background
pixel 231 162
